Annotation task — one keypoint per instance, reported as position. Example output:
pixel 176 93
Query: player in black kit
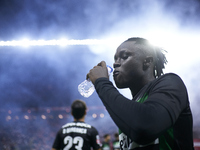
pixel 159 116
pixel 77 135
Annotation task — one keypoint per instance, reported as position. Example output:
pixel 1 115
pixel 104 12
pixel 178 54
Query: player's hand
pixel 98 71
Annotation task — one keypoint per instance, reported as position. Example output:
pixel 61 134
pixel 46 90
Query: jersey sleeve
pixel 57 141
pixel 144 122
pixel 95 139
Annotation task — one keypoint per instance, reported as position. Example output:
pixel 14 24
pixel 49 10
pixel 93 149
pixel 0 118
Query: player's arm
pixel 132 117
pixel 57 141
pixel 142 122
pixel 95 139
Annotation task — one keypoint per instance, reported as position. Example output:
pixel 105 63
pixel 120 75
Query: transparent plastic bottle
pixel 86 88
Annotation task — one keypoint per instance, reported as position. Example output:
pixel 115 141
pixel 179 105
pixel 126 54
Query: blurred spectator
pixel 115 144
pixel 106 144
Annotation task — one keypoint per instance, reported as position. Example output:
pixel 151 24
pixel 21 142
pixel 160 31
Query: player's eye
pixel 125 55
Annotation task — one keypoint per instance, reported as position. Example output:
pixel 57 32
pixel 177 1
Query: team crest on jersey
pixel 127 144
pixel 124 142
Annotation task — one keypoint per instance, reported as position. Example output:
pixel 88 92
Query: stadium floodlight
pixel 61 42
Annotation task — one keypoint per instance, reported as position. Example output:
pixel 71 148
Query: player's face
pixel 128 65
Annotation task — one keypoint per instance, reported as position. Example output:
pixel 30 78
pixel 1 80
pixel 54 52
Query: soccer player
pixel 77 134
pixel 159 116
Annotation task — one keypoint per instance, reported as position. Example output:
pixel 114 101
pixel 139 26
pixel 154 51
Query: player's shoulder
pixel 172 74
pixel 170 77
pixel 68 124
pixel 77 124
pixel 168 80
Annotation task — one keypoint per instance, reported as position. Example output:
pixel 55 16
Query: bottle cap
pixel 110 70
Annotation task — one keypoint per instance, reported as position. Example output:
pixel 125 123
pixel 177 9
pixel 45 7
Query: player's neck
pixel 81 119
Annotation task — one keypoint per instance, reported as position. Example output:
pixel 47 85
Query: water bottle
pixel 86 88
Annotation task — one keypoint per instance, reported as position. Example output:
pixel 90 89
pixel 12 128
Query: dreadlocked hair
pixel 157 53
pixel 159 62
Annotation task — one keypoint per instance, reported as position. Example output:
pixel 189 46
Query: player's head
pixel 157 53
pixel 135 61
pixel 107 137
pixel 78 109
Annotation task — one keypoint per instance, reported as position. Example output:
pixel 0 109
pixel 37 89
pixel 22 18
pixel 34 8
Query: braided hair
pixel 157 53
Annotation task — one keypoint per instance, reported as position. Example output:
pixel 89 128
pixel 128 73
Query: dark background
pixel 34 80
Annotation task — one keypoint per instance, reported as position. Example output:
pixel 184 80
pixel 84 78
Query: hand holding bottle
pixel 86 88
pixel 99 71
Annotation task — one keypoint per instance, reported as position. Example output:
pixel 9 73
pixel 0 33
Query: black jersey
pixel 158 117
pixel 75 136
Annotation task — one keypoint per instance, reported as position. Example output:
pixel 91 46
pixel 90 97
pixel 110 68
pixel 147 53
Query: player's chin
pixel 120 85
pixel 120 82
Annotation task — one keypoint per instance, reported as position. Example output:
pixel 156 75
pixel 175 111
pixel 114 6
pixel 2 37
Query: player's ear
pixel 147 62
